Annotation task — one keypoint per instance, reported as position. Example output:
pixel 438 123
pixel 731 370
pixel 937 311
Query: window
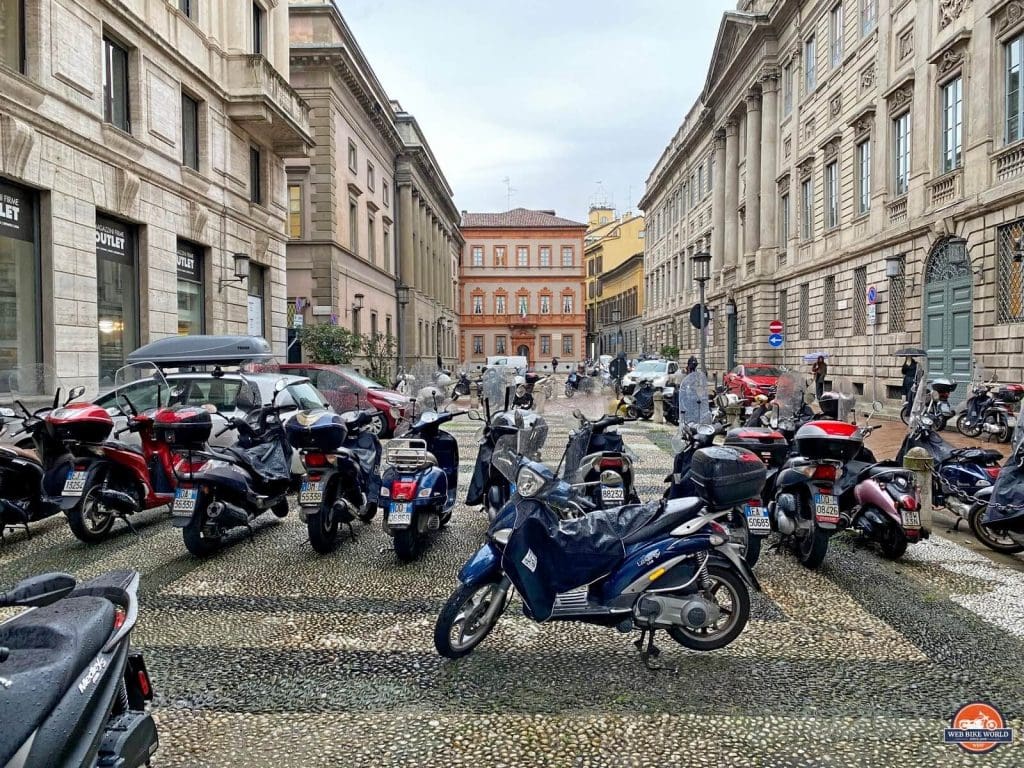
pixel 374 330
pixel 117 294
pixel 386 193
pixel 783 308
pixel 568 256
pixel 257 293
pixel 255 175
pixel 807 209
pixel 478 256
pixel 787 89
pixel 20 318
pixel 388 263
pixel 524 305
pixel 522 256
pixel 257 28
pixel 189 132
pixel 294 210
pixel 371 239
pixel 784 215
pixel 478 345
pixel 1009 273
pixel 567 345
pixel 387 325
pixel 829 307
pixel 897 299
pixel 545 344
pixel 835 32
pixel 860 290
pixel 353 226
pixel 805 311
pixel 478 305
pixel 952 124
pixel 700 180
pixel 116 109
pixel 1014 53
pixel 545 256
pixel 353 156
pixel 567 304
pixel 188 7
pixel 499 256
pixel 901 153
pixel 810 66
pixel 190 288
pixel 868 15
pixel 545 305
pixel 499 345
pixel 499 304
pixel 864 176
pixel 12 34
pixel 832 195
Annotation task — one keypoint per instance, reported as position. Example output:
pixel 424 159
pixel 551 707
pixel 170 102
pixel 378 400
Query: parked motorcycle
pixel 576 382
pixel 989 409
pixel 636 401
pixel 597 459
pixel 529 386
pixel 664 565
pixel 938 407
pixel 670 405
pixel 341 457
pixel 233 486
pixel 74 693
pixel 463 386
pixel 997 517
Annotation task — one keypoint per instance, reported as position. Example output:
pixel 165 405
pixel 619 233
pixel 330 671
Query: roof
pixel 522 218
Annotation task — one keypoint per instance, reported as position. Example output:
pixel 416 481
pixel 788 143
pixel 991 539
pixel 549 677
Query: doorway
pixel 948 316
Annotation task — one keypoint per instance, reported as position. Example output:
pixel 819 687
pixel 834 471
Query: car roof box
pixel 182 351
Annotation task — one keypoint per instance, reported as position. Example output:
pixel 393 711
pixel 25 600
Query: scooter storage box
pixel 1010 393
pixel 943 386
pixel 770 445
pixel 316 430
pixel 183 427
pixel 832 440
pixel 726 475
pixel 81 422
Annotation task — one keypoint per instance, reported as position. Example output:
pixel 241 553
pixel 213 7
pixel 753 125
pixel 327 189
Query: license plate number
pixel 74 484
pixel 400 514
pixel 757 519
pixel 613 494
pixel 911 518
pixel 826 510
pixel 311 493
pixel 184 501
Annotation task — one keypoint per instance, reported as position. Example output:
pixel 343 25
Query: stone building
pixel 614 249
pixel 141 176
pixel 521 284
pixel 840 147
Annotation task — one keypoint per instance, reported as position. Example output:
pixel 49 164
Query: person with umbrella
pixel 909 371
pixel 820 371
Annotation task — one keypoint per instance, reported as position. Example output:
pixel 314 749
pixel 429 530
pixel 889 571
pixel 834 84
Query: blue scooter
pixel 663 565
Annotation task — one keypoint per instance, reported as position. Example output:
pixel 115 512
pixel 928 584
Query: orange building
pixel 521 283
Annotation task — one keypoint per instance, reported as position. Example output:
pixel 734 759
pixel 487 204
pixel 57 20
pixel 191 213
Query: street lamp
pixel 402 294
pixel 702 273
pixel 617 320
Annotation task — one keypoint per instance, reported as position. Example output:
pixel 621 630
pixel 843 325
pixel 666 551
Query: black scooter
pixel 997 516
pixel 72 690
pixel 593 450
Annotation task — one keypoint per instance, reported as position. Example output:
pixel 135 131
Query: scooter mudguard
pixel 434 480
pixel 94 470
pixel 484 566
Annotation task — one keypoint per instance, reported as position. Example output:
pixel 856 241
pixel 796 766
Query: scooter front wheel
pixel 730 593
pixel 408 544
pixel 467 618
pixel 990 537
pixel 905 412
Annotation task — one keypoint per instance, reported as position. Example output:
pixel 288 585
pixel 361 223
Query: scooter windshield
pixel 921 396
pixel 789 399
pixel 35 387
pixel 496 386
pixel 528 443
pixel 693 400
pixel 140 387
pixel 847 410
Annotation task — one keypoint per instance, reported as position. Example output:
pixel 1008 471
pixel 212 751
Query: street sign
pixel 872 315
pixel 775 340
pixel 872 295
pixel 775 328
pixel 695 316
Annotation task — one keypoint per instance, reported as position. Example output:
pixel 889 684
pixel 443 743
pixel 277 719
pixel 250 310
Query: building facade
pixel 855 169
pixel 521 285
pixel 614 249
pixel 142 184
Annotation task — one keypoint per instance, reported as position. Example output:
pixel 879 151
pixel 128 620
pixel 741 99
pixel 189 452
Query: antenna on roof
pixel 509 189
pixel 600 198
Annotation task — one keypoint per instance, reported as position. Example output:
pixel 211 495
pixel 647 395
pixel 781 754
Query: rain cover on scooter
pixel 1007 502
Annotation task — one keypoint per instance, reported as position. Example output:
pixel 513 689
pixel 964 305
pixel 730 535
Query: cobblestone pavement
pixel 270 655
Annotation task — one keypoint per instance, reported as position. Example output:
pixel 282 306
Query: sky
pixel 555 95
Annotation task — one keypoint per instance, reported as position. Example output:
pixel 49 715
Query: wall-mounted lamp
pixel 402 293
pixel 896 266
pixel 730 308
pixel 241 272
pixel 959 257
pixel 358 303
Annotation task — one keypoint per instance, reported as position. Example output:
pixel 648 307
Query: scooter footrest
pixel 129 741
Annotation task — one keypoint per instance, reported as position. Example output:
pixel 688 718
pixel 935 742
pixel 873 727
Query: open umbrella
pixel 812 357
pixel 911 352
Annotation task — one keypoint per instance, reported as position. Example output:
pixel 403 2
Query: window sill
pixel 21 88
pixel 122 142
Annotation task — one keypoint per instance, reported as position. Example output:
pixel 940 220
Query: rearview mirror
pixel 74 393
pixel 876 406
pixel 39 590
pixel 474 415
pixel 577 414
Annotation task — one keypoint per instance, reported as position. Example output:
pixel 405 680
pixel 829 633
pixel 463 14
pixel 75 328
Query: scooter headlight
pixel 528 482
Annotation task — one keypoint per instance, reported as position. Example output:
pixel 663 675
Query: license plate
pixel 184 501
pixel 311 493
pixel 826 510
pixel 400 514
pixel 757 519
pixel 613 494
pixel 911 518
pixel 74 484
pixel 1011 421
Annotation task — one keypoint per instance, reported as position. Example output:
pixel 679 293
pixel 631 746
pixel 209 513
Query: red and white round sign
pixel 775 326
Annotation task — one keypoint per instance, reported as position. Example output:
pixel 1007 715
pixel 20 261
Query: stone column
pixel 752 221
pixel 769 154
pixel 731 174
pixel 405 254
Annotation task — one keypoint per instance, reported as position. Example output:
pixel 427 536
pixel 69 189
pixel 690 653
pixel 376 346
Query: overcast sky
pixel 556 95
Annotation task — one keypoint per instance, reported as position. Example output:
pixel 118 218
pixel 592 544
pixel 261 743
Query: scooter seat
pixel 676 512
pixel 49 649
pixel 976 455
pixel 26 453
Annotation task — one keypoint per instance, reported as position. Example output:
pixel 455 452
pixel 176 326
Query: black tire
pixel 367 512
pixel 323 535
pixel 527 402
pixel 940 422
pixel 811 550
pixel 965 430
pixel 905 412
pixel 569 391
pixel 281 508
pixel 456 608
pixel 446 518
pixel 632 412
pixel 192 534
pixel 698 640
pixel 408 544
pixel 378 425
pixel 750 545
pixel 893 543
pixel 87 519
pixel 991 537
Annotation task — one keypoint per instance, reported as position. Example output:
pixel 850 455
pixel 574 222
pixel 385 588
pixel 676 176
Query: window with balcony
pixel 807 209
pixel 294 210
pixel 371 177
pixel 868 16
pixel 12 34
pixel 499 305
pixel 832 195
pixel 567 304
pixel 116 106
pixel 522 256
pixel 478 345
pixel 478 256
pixel 353 156
pixel 499 345
pixel 478 305
pixel 189 132
pixel 545 256
pixel 545 305
pixel 258 28
pixel 952 124
pixel 863 176
pixel 255 175
pixel 568 256
pixel 810 65
pixel 901 153
pixel 835 35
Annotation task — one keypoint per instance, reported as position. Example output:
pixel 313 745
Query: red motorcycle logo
pixel 978 728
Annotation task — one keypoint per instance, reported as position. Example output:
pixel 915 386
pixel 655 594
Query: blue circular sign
pixel 775 340
pixel 872 295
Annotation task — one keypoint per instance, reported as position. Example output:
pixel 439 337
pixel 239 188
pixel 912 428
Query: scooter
pixel 938 407
pixel 593 455
pixel 529 384
pixel 638 403
pixel 342 481
pixel 989 409
pixel 997 516
pixel 664 565
pixel 576 382
pixel 72 690
pixel 462 385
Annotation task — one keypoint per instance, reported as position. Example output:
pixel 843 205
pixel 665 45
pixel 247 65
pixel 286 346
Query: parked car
pixel 659 372
pixel 748 380
pixel 348 390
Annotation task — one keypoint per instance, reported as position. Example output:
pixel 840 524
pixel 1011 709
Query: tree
pixel 379 350
pixel 329 344
pixel 669 352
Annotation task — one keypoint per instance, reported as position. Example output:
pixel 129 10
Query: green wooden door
pixel 948 318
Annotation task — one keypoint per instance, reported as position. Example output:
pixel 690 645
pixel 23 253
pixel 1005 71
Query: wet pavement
pixel 270 655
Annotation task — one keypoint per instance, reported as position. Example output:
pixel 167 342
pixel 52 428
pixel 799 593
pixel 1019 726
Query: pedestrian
pixel 909 371
pixel 440 362
pixel 820 371
pixel 691 364
pixel 617 369
pixel 554 365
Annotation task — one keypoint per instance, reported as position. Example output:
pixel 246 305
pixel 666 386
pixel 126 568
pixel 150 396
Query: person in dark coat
pixel 909 371
pixel 691 364
pixel 820 371
pixel 618 368
pixel 554 364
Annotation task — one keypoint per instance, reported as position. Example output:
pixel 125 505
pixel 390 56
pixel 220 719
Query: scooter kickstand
pixel 648 651
pixel 131 527
pixel 351 531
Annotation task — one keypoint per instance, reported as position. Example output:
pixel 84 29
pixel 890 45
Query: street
pixel 270 655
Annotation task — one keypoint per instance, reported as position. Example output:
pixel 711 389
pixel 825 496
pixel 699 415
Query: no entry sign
pixel 775 326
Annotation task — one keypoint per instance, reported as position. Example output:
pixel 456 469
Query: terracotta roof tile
pixel 522 218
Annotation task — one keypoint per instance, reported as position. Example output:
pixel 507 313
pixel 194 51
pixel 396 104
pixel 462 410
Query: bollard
pixel 735 413
pixel 474 394
pixel 919 461
pixel 659 407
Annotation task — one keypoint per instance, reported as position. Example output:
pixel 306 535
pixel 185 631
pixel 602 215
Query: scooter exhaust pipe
pixel 117 500
pixel 227 515
pixel 785 514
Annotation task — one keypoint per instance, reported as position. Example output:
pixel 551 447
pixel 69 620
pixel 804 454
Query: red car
pixel 751 379
pixel 347 390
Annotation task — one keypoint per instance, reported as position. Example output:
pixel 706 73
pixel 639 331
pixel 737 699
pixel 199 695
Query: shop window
pixel 117 294
pixel 191 318
pixel 20 330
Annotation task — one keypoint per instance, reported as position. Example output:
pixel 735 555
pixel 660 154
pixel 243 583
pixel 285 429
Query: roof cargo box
pixel 187 351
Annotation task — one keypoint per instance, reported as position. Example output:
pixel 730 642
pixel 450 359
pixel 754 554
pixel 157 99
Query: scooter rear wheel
pixel 408 544
pixel 965 429
pixel 991 538
pixel 812 548
pixel 730 593
pixel 195 542
pixel 893 542
pixel 90 520
pixel 323 535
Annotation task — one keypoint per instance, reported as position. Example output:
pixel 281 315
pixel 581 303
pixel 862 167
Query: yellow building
pixel 613 252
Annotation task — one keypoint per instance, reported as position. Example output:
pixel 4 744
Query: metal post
pixel 703 334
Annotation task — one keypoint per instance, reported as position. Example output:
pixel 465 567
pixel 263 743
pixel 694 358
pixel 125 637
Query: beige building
pixel 613 252
pixel 141 150
pixel 839 147
pixel 522 280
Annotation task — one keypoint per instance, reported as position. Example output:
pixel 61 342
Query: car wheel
pixel 378 425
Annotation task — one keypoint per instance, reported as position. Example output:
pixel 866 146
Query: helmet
pixel 829 402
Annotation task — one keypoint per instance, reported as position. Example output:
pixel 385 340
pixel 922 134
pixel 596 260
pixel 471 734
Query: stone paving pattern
pixel 270 655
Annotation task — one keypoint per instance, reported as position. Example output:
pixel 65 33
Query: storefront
pixel 117 294
pixel 191 301
pixel 19 277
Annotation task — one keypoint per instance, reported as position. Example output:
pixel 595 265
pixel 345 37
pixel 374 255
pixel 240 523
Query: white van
pixel 518 362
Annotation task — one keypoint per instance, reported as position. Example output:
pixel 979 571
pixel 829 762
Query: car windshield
pixel 761 370
pixel 362 381
pixel 652 366
pixel 220 392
